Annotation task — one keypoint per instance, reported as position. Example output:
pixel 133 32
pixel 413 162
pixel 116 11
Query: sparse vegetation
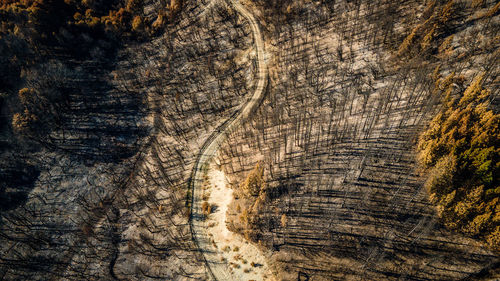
pixel 491 12
pixel 254 193
pixel 422 39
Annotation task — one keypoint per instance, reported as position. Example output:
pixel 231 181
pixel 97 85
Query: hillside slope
pixel 352 88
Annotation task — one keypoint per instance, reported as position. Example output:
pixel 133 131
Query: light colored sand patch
pixel 238 252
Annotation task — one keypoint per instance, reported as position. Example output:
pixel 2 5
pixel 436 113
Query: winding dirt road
pixel 220 270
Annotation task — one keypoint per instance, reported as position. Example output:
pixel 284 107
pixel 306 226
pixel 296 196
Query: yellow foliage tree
pixel 284 220
pixel 460 150
pixel 254 182
pixel 137 23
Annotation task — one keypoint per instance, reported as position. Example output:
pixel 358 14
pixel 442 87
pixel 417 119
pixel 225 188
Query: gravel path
pixel 219 270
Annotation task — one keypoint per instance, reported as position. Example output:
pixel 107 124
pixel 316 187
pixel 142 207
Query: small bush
pixel 206 208
pixel 137 24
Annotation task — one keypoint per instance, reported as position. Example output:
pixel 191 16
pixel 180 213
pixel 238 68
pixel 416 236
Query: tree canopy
pixel 460 151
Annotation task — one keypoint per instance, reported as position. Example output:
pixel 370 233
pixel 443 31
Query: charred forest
pixel 330 139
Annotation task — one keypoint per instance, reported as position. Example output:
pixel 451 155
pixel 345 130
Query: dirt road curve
pixel 220 270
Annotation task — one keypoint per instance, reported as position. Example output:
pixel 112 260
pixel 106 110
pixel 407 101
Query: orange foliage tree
pixel 460 151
